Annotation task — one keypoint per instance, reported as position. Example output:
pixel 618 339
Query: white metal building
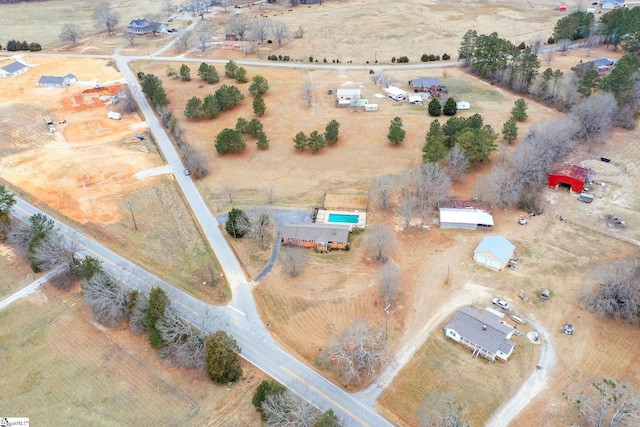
pixel 348 94
pixel 396 93
pixel 494 252
pixel 465 218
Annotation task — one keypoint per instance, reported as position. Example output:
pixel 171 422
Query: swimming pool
pixel 344 218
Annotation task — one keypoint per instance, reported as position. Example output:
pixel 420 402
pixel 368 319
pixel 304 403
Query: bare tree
pixel 154 22
pixel 390 282
pixel 203 36
pixel 184 343
pixel 617 294
pixel 130 37
pixel 595 116
pixel 185 39
pixel 106 298
pixel 385 80
pixel 269 190
pixel 280 31
pixel 167 6
pixel 379 242
pixel 406 209
pixel 70 33
pixel 289 409
pixel 238 24
pixel 357 353
pixel 106 18
pixel 261 228
pixel 229 189
pixel 548 55
pixel 443 410
pixel 125 101
pixel 564 45
pixel 505 190
pixel 536 44
pixel 307 91
pixel 380 191
pixel 427 184
pixel 260 28
pixel 609 402
pixel 138 315
pixel 458 163
pixel 55 251
pixel 297 34
pixel 194 160
pixel 294 260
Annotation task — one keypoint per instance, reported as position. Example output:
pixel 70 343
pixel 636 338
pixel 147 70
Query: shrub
pixel 424 57
pixel 551 40
pixel 393 60
pixel 446 57
pixel 434 108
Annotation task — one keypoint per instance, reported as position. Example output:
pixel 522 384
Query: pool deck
pixel 323 217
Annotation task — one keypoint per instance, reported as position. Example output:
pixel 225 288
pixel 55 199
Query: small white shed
pixel 463 105
pixel 114 115
pixel 415 99
pixel 371 107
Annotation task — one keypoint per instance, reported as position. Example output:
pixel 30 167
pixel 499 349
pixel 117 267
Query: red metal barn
pixel 572 176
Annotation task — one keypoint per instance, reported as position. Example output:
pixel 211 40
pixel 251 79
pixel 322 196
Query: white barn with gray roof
pixel 483 332
pixel 56 81
pixel 465 218
pixel 13 69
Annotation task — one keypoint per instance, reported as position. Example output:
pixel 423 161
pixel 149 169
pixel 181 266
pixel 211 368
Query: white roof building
pixel 465 218
pixel 348 94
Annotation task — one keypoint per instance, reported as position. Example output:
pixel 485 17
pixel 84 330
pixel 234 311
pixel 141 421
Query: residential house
pixel 427 84
pixel 13 69
pixel 55 81
pixel 483 332
pixel 317 236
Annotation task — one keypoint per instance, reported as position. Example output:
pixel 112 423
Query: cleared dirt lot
pixel 129 384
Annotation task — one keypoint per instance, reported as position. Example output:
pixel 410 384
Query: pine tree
pixel 263 142
pixel 241 75
pixel 223 364
pixel 230 69
pixel 331 132
pixel 193 109
pixel 185 73
pixel 300 141
pixel 259 107
pixel 434 148
pixel 435 108
pixel 519 110
pixel 510 130
pixel 259 85
pixel 396 133
pixel 316 141
pixel 203 70
pixel 210 107
pixel 450 107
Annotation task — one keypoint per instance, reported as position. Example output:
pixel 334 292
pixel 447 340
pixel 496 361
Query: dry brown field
pixel 129 383
pixel 15 272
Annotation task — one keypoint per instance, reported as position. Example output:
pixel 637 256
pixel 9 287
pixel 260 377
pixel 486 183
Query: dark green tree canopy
pixel 450 107
pixel 230 141
pixel 259 107
pixel 223 363
pixel 331 132
pixel 259 85
pixel 237 223
pixel 434 108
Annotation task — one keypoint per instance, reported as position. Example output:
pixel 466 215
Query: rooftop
pixel 465 216
pixel 317 232
pixel 483 328
pixel 573 171
pixel 14 66
pixel 500 247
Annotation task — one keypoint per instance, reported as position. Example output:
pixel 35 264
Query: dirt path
pixel 536 382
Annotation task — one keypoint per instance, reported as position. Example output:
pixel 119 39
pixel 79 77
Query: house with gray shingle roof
pixel 13 69
pixel 483 332
pixel 318 236
pixel 56 81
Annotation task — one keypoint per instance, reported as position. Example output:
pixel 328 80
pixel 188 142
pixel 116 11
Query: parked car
pixel 187 172
pixel 502 304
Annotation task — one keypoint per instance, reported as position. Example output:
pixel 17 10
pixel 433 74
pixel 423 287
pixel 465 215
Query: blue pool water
pixel 345 218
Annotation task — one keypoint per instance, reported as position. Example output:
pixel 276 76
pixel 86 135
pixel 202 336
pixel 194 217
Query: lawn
pixel 15 273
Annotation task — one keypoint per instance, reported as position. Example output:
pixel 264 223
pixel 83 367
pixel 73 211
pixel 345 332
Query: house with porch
pixel 56 81
pixel 321 237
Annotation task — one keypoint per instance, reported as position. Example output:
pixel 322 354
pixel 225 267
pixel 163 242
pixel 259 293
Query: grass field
pixel 14 272
pixel 442 365
pixel 61 363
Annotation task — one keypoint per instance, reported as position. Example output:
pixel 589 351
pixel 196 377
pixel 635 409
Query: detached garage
pixel 466 218
pixel 570 176
pixel 494 252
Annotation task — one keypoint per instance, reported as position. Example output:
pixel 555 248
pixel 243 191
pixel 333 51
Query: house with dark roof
pixel 602 65
pixel 427 84
pixel 483 332
pixel 573 177
pixel 56 81
pixel 139 26
pixel 317 236
pixel 494 252
pixel 13 69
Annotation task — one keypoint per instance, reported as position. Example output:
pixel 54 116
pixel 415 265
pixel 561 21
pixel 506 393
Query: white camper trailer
pixel 371 107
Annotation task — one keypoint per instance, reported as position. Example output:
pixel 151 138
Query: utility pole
pixel 135 226
pixel 386 322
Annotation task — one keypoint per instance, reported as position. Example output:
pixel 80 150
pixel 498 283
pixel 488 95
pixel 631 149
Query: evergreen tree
pixel 241 75
pixel 478 144
pixel 259 85
pixel 328 419
pixel 236 223
pixel 300 141
pixel 316 141
pixel 7 201
pixel 210 107
pixel 158 301
pixel 254 127
pixel 241 124
pixel 193 109
pixel 510 130
pixel 223 363
pixel 396 132
pixel 230 69
pixel 212 75
pixel 230 141
pixel 203 70
pixel 519 110
pixel 587 82
pixel 450 107
pixel 263 142
pixel 160 97
pixel 435 108
pixel 434 148
pixel 259 107
pixel 185 73
pixel 265 389
pixel 331 132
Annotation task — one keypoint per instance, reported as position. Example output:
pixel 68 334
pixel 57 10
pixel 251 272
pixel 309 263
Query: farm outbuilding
pixel 55 81
pixel 463 105
pixel 348 94
pixel 483 332
pixel 13 69
pixel 494 252
pixel 465 218
pixel 396 93
pixel 571 176
pixel 316 236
